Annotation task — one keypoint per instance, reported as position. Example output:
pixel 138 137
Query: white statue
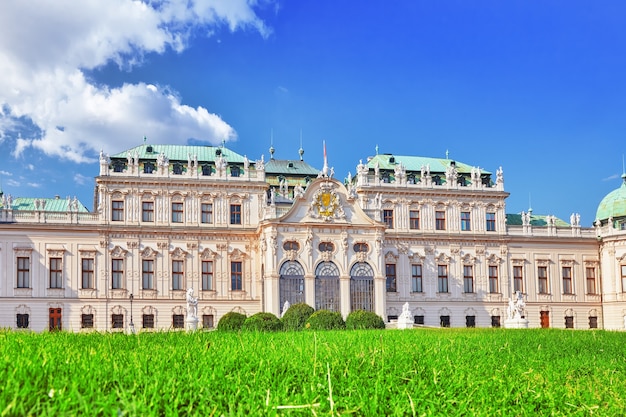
pixel 406 312
pixel 246 163
pixel 285 307
pixel 499 176
pixel 516 306
pixel 192 305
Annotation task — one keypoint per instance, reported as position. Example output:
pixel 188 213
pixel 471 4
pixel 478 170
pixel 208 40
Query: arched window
pixel 361 287
pixel 291 283
pixel 327 294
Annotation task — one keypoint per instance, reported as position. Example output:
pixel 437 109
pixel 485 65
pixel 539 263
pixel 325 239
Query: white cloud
pixel 34 184
pixel 81 179
pixel 13 183
pixel 8 174
pixel 43 74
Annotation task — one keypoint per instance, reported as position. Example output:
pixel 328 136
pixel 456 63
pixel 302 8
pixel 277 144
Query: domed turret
pixel 613 206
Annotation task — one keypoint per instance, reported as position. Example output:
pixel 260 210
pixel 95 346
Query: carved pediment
pixel 493 259
pixel 178 253
pixel 23 251
pixel 56 252
pixel 416 258
pixel 237 255
pixel 88 253
pixel 149 253
pixel 542 262
pixel 391 258
pixel 468 259
pixel 518 262
pixel 442 258
pixel 208 255
pixel 567 262
pixel 118 252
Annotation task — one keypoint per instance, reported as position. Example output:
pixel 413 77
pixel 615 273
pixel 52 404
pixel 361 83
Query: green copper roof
pixel 614 204
pixel 182 152
pixel 51 204
pixel 535 220
pixel 290 167
pixel 415 163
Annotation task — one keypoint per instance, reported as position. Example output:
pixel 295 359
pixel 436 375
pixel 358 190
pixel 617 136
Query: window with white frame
pixel 87 273
pixel 56 273
pixel 206 213
pixel 177 275
pixel 23 272
pixel 416 278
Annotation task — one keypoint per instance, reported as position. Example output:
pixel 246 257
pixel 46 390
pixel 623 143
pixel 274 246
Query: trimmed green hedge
pixel 231 321
pixel 266 322
pixel 360 319
pixel 325 320
pixel 296 316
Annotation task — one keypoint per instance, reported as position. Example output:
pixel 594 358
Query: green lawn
pixel 392 372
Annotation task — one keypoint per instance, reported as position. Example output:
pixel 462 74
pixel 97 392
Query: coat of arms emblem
pixel 325 204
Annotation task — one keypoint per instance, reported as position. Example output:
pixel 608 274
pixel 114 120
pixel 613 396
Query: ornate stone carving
pixel 149 253
pixel 326 204
pixel 179 254
pixel 118 252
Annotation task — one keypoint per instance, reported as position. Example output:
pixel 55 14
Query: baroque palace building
pixel 248 236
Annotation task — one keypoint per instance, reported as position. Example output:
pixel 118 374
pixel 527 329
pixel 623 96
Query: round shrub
pixel 360 319
pixel 263 322
pixel 325 320
pixel 231 321
pixel 296 316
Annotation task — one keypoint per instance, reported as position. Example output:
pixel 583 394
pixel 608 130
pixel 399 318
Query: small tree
pixel 263 322
pixel 325 320
pixel 360 319
pixel 296 316
pixel 231 321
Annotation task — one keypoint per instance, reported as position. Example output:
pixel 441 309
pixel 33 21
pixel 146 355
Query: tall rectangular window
pixel 490 222
pixel 468 279
pixel 117 273
pixel 465 221
pixel 117 211
pixel 542 275
pixel 177 275
pixel 23 272
pixel 206 215
pixel 493 279
pixel 207 275
pixel 567 280
pixel 56 273
pixel 177 212
pixel 623 268
pixel 147 274
pixel 518 279
pixel 147 211
pixel 416 278
pixel 390 273
pixel 590 274
pixel 414 219
pixel 388 218
pixel 442 278
pixel 440 220
pixel 235 214
pixel 236 276
pixel 87 273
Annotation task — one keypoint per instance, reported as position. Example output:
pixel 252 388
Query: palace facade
pixel 249 236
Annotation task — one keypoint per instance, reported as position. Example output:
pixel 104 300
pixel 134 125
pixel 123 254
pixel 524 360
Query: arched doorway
pixel 327 295
pixel 291 283
pixel 361 287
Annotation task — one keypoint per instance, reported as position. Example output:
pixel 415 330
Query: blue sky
pixel 535 87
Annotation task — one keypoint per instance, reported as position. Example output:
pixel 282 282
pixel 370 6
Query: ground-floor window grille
pixel 593 322
pixel 362 287
pixel 117 321
pixel 495 321
pixel 291 283
pixel 470 321
pixel 569 322
pixel 208 322
pixel 444 321
pixel 178 321
pixel 327 295
pixel 418 319
pixel 148 321
pixel 22 321
pixel 86 321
